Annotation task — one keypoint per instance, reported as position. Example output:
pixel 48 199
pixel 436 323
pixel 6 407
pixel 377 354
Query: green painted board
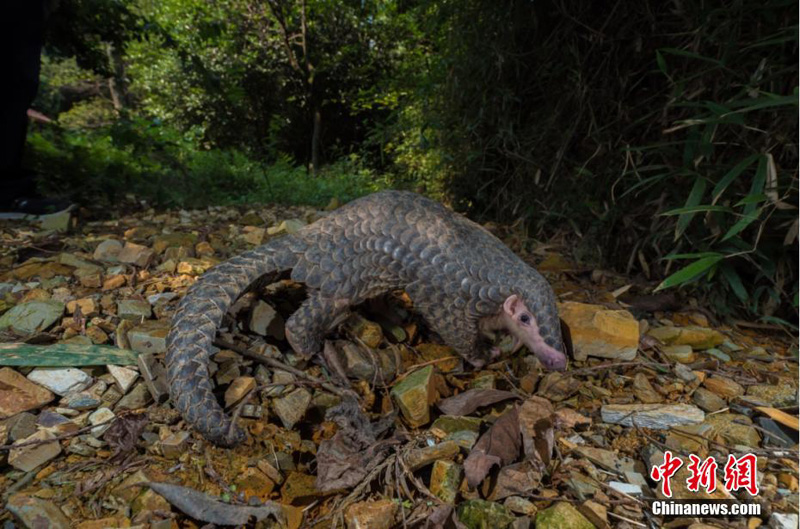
pixel 64 355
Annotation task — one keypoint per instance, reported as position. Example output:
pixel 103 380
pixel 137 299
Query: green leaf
pixel 691 55
pixel 731 175
pixel 687 273
pixel 662 63
pixel 697 209
pixel 752 199
pixel 758 182
pixel 735 282
pixel 64 355
pixel 741 224
pixel 698 255
pixel 695 196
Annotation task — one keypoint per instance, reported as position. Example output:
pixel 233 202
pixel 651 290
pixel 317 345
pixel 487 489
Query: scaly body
pixel 461 279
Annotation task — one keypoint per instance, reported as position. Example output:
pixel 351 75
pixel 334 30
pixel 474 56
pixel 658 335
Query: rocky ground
pixel 398 432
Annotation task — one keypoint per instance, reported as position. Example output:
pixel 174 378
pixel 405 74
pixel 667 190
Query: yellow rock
pixel 698 337
pixel 598 331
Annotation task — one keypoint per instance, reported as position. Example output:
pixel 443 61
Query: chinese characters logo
pixel 739 473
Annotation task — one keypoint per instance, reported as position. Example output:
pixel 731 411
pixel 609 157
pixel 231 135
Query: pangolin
pixel 462 280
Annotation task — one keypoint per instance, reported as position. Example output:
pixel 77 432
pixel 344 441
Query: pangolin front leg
pixel 307 327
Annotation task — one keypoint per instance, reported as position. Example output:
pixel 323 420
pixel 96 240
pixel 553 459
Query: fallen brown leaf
pixel 472 399
pixel 500 445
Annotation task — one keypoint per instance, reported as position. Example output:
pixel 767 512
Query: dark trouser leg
pixel 21 33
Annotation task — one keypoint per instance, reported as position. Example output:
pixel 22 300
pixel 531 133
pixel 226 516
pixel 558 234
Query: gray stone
pixel 779 520
pixel 139 397
pixel 107 250
pixel 35 513
pixel 123 376
pixel 626 488
pixel 101 419
pixel 291 408
pixel 134 309
pixel 707 400
pixel 33 316
pixel 61 381
pixel 776 436
pixel 150 337
pixel 29 458
pixel 656 416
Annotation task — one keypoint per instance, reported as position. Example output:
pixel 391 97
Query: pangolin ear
pixel 511 304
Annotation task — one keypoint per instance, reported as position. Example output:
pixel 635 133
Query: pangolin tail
pixel 195 324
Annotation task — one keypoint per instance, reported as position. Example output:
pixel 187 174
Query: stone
pixel 683 354
pixel 265 321
pixel 596 513
pixel 147 502
pixel 61 380
pixel 88 306
pixel 464 439
pixel 719 355
pixel 518 479
pixel 126 491
pixel 73 260
pixel 134 309
pixel 430 352
pixel 59 221
pixel 28 458
pixel 724 387
pixel 36 513
pixel 598 331
pixel 112 522
pixel 482 514
pixel 155 377
pixel 96 335
pixel 448 424
pixel 253 235
pixel 32 317
pixel 164 297
pixel 291 408
pixel 607 459
pixel 371 515
pixel 204 249
pixel 148 338
pixel 108 251
pixel 238 389
pixel 271 472
pixel 689 439
pixel 174 446
pixel 135 254
pixel 254 484
pixel 698 338
pixel 174 240
pixel 656 416
pixel 299 489
pixel 421 457
pixel 446 479
pixel 139 397
pixel 626 488
pixel 18 394
pixel 707 401
pixel 779 520
pixel 123 376
pixel 778 396
pixel 287 226
pixel 644 391
pixel 114 282
pixel 81 400
pixel 561 515
pixel 89 278
pixel 101 419
pixel 775 434
pixel 368 332
pixel 414 395
pixel 20 426
pixel 520 505
pixel 195 267
pixel 733 429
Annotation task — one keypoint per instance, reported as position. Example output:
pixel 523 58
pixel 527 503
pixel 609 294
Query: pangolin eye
pixel 525 319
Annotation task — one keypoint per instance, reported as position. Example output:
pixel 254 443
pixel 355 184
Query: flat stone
pixel 698 338
pixel 371 515
pixel 626 488
pixel 102 419
pixel 33 316
pixel 733 429
pixel 108 251
pixel 598 331
pixel 719 355
pixel 265 321
pixel 779 437
pixel 59 221
pixel 445 480
pixel 88 278
pixel 287 226
pixel 125 491
pixel 139 397
pixel 644 391
pixel 448 424
pixel 174 240
pixel 96 335
pixel 724 387
pixel 135 254
pixel 253 234
pixel 28 458
pixel 81 400
pixel 174 446
pixel 707 400
pixel 204 249
pixel 196 267
pixel 299 489
pixel 690 439
pixel 35 513
pixel 778 396
pixel 656 416
pixel 88 306
pixel 61 381
pixel 779 520
pixel 155 376
pixel 114 282
pixel 149 338
pixel 20 426
pixel 134 309
pixel 520 505
pixel 414 395
pixel 147 502
pixel 18 394
pixel 239 388
pixel 683 354
pixel 73 260
pixel 255 484
pixel 368 332
pixel 123 376
pixel 607 459
pixel 111 522
pixel 291 408
pixel 596 513
pixel 421 457
pixel 481 514
pixel 562 515
pixel 464 439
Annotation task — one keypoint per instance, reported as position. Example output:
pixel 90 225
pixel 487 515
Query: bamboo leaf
pixel 731 175
pixel 699 255
pixel 735 282
pixel 741 224
pixel 697 209
pixel 752 199
pixel 695 196
pixel 687 273
pixel 691 55
pixel 64 355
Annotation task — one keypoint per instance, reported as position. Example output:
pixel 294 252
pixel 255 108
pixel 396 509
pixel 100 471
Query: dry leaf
pixel 472 399
pixel 500 445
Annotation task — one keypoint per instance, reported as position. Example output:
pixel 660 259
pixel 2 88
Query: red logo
pixel 739 473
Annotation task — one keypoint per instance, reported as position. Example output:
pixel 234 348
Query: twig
pixel 277 364
pixel 58 437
